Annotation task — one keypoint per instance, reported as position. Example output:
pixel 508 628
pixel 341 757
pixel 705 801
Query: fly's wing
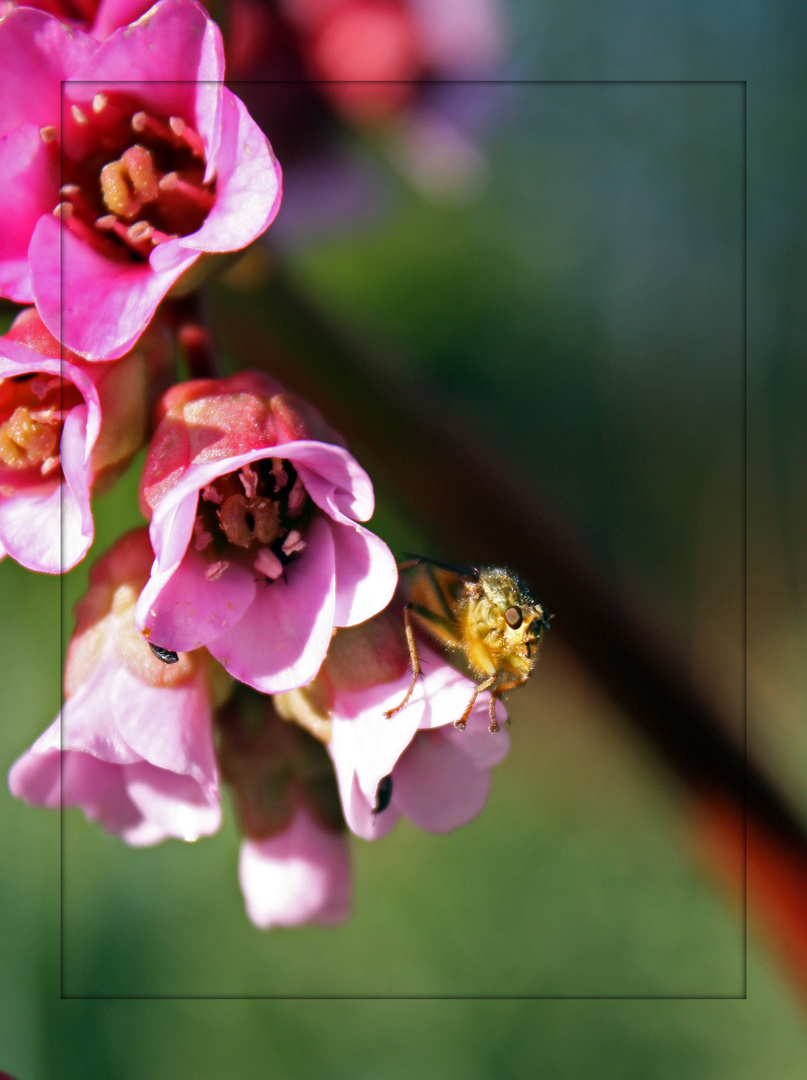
pixel 434 590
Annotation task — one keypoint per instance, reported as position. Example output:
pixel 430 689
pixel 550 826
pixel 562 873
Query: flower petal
pixel 299 876
pixel 106 304
pixel 170 727
pixel 248 185
pixel 437 786
pixel 282 639
pixel 184 610
pixel 30 169
pixel 366 573
pixel 175 805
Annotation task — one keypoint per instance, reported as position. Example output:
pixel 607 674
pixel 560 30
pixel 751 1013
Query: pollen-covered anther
pixel 249 481
pixel 201 536
pixel 26 440
pixel 245 520
pixel 63 210
pixel 49 133
pixel 142 176
pixel 99 103
pixel 79 115
pixel 118 199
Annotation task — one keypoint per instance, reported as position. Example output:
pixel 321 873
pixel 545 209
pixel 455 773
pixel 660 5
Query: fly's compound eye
pixel 513 617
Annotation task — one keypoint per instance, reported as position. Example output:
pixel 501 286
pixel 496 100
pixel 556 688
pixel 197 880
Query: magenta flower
pixel 65 429
pixel 297 876
pixel 439 776
pixel 133 745
pixel 255 512
pixel 155 171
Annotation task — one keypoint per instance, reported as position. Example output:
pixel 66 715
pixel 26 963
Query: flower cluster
pixel 251 634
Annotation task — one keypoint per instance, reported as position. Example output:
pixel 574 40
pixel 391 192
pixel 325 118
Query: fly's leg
pixel 477 691
pixel 413 659
pixel 502 688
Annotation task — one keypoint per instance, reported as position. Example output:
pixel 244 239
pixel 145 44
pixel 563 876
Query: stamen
pixel 69 190
pixel 173 182
pixel 293 543
pixel 210 494
pixel 63 210
pixel 249 481
pixel 49 133
pixel 99 103
pixel 201 536
pixel 216 569
pixel 79 115
pixel 246 520
pixel 279 473
pixel 190 137
pixel 267 563
pixel 297 498
pixel 107 221
pixel 135 234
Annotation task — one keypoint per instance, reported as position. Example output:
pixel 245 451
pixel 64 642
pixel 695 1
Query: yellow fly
pixel 487 615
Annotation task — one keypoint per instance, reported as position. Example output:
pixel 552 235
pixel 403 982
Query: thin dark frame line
pixel 493 997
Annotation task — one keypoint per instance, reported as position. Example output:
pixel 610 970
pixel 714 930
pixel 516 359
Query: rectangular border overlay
pixel 427 997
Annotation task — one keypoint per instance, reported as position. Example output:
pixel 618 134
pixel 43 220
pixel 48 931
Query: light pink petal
pixel 174 54
pixel 168 726
pixel 333 478
pixel 364 740
pixel 482 747
pixel 185 610
pixel 437 786
pixel 96 786
pixel 107 305
pixel 448 692
pixel 31 530
pixel 302 875
pixel 36 53
pixel 87 724
pixel 176 805
pixel 30 169
pixel 77 526
pixel 281 641
pixel 366 573
pixel 357 807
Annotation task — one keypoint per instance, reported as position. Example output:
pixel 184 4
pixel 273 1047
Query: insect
pixel 168 656
pixel 383 795
pixel 487 615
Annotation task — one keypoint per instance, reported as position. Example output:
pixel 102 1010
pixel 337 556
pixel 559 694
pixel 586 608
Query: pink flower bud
pixel 133 745
pixel 67 430
pixel 254 522
pixel 118 195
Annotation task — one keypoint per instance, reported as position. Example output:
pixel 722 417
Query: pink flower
pixel 255 512
pixel 66 429
pixel 156 171
pixel 414 763
pixel 298 876
pixel 133 746
pixel 440 776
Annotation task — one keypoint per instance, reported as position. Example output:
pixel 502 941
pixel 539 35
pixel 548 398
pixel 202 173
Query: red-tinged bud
pixel 212 419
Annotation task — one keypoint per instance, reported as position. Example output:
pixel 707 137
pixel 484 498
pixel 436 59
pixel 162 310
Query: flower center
pixel 262 508
pixel 32 411
pixel 133 179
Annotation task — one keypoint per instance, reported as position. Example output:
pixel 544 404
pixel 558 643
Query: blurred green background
pixel 587 313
